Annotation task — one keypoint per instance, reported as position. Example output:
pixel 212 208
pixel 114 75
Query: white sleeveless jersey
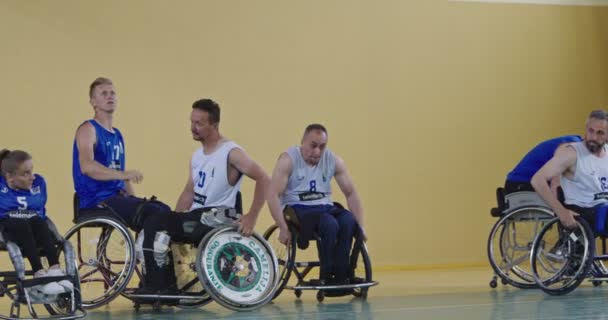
pixel 309 185
pixel 210 177
pixel 589 186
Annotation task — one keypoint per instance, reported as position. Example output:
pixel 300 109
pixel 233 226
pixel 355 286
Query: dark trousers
pixel 589 215
pixel 157 217
pixel 335 227
pixel 29 234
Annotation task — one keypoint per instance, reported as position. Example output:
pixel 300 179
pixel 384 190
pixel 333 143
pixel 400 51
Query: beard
pixel 593 146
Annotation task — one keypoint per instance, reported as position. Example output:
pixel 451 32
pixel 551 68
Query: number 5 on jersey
pixel 22 203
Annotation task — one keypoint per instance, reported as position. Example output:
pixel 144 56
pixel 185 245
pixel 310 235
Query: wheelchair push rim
pixel 286 255
pixel 240 273
pixel 561 258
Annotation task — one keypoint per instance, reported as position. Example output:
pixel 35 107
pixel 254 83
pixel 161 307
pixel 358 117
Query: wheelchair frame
pixel 15 285
pixel 288 265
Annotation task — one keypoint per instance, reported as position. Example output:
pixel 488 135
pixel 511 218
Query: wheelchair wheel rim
pixel 238 272
pixel 561 258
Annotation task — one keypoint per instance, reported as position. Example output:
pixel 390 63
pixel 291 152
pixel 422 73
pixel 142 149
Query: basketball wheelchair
pixel 240 273
pixel 360 272
pixel 23 291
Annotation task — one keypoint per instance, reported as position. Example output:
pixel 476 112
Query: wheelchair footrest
pixel 136 296
pixel 334 287
pixel 598 279
pixel 39 281
pixel 304 264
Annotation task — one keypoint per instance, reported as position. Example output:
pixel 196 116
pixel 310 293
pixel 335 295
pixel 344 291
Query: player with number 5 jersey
pixel 23 217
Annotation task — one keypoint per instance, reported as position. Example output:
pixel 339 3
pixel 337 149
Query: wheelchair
pixel 360 273
pixel 521 216
pixel 562 258
pixel 21 291
pixel 107 261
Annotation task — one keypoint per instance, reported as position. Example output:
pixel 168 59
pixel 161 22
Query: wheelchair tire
pixel 509 252
pixel 562 258
pixel 101 267
pixel 361 267
pixel 240 273
pixel 286 255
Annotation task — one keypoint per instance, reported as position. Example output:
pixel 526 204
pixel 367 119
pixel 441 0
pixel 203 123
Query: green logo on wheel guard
pixel 240 266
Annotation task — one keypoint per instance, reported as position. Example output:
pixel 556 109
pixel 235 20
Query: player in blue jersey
pixel 23 216
pixel 302 180
pixel 101 180
pixel 519 178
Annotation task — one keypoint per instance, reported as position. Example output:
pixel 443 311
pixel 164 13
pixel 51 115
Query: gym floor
pixel 436 294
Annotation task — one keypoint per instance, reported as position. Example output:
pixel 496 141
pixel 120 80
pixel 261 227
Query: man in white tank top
pixel 301 180
pixel 583 167
pixel 216 170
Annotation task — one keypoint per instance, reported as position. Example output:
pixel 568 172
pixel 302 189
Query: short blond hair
pixel 97 82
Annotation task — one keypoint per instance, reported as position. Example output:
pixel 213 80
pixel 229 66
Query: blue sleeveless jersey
pixel 537 157
pixel 21 203
pixel 108 151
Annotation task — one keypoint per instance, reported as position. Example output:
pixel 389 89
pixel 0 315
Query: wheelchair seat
pixel 509 202
pixel 93 213
pixel 524 198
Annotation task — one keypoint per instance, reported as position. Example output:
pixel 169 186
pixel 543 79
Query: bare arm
pixel 555 182
pixel 184 202
pixel 129 188
pixel 348 188
pixel 85 142
pixel 562 162
pixel 244 164
pixel 278 183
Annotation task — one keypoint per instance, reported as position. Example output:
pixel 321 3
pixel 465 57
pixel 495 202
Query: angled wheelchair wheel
pixel 561 258
pixel 67 303
pixel 510 242
pixel 184 257
pixel 361 267
pixel 105 258
pixel 286 255
pixel 240 273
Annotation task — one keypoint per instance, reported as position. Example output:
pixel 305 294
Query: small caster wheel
pixel 320 295
pixel 504 282
pixel 364 294
pixel 493 283
pixel 298 293
pixel 596 283
pixel 136 306
pixel 156 306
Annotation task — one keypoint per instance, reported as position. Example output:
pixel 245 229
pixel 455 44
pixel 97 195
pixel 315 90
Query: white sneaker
pixel 67 284
pixel 49 288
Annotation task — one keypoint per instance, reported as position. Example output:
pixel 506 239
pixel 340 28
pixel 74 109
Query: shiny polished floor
pixel 439 294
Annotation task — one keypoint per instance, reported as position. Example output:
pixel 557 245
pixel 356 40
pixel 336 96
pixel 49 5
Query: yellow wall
pixel 429 102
